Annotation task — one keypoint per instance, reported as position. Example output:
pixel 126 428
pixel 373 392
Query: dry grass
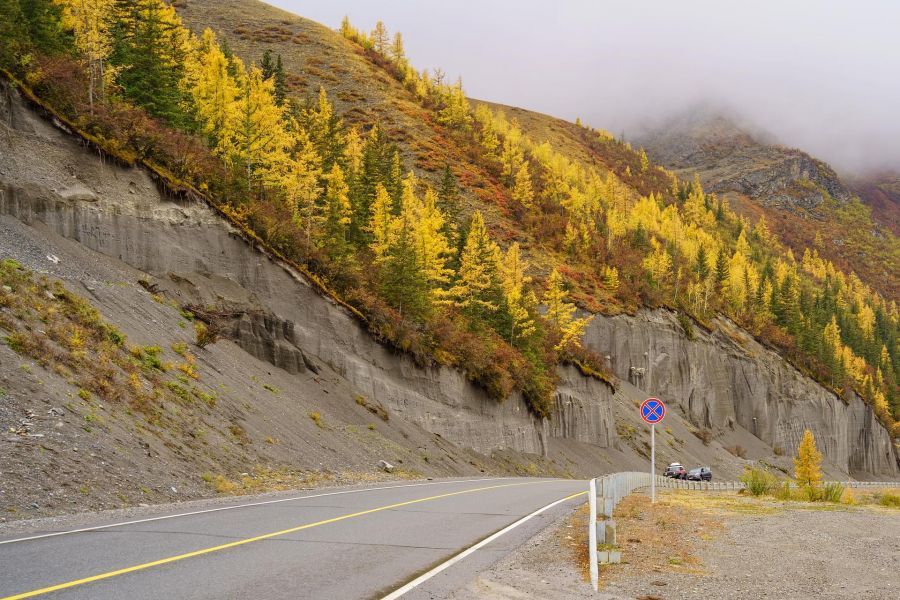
pixel 63 332
pixel 653 538
pixel 373 407
pixel 665 537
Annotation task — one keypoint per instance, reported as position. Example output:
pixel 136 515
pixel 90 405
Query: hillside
pixel 394 272
pixel 802 198
pixel 881 192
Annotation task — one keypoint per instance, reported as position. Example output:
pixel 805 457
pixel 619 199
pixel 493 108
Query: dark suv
pixel 699 474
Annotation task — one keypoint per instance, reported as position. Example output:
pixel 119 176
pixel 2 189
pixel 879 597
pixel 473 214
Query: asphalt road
pixel 346 543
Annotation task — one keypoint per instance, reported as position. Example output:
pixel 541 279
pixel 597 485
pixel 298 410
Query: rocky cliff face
pixel 46 180
pixel 730 158
pixel 726 378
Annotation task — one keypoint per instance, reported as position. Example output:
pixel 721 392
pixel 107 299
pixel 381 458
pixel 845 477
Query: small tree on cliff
pixel 808 463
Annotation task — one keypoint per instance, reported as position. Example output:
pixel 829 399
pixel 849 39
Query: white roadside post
pixel 652 412
pixel 592 534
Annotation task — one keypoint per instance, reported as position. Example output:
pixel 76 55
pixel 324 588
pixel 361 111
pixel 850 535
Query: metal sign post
pixel 653 462
pixel 653 411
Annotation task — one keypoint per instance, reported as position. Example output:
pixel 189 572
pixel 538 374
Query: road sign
pixel 653 410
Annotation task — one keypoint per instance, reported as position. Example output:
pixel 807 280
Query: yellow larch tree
pixel 611 279
pixel 89 21
pixel 522 190
pixel 808 463
pixel 380 38
pixel 511 156
pixel 456 111
pixel 432 249
pixel 260 139
pixel 298 177
pixel 478 288
pixel 519 302
pixel 353 150
pixel 658 263
pixel 380 223
pixel 215 94
pixel 561 314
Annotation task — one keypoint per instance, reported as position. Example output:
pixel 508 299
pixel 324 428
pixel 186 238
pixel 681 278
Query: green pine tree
pixel 149 51
pixel 701 265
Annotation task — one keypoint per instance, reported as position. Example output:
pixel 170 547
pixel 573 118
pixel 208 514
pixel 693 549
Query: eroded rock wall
pixel 47 180
pixel 726 377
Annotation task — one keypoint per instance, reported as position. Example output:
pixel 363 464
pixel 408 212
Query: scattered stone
pixel 385 466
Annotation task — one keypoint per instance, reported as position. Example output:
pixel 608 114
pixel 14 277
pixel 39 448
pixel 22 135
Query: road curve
pixel 346 543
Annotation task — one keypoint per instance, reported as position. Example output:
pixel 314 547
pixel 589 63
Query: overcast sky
pixel 822 75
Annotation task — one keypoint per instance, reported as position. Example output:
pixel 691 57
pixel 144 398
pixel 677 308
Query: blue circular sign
pixel 653 410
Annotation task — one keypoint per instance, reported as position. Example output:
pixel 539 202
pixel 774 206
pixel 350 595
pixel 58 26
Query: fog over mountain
pixel 819 75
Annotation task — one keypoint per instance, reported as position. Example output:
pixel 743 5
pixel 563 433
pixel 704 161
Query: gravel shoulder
pixel 692 545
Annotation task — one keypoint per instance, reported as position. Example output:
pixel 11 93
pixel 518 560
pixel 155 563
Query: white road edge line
pixel 250 504
pixel 449 563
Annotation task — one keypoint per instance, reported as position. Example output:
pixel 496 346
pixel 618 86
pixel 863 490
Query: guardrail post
pixel 592 534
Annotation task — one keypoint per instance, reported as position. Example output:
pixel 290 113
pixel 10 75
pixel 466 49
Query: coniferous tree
pixel 274 69
pixel 89 22
pixel 478 289
pixel 299 179
pixel 403 283
pixel 325 129
pixel 721 272
pixel 808 464
pixel 260 139
pixel 280 81
pixel 335 216
pixel 561 314
pixel 397 53
pixel 148 49
pixel 380 223
pixel 215 93
pixel 449 202
pixel 432 249
pixel 522 191
pixel 393 180
pixel 521 304
pixel 374 167
pixel 701 266
pixel 267 64
pixel 380 38
pixel 15 39
pixel 42 24
pixel 512 160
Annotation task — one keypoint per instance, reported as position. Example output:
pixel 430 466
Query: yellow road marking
pixel 171 559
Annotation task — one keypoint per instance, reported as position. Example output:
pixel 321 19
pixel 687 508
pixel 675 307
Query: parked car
pixel 700 474
pixel 675 470
pixel 671 469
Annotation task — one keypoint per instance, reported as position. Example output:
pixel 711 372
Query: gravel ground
pixel 747 549
pixel 793 554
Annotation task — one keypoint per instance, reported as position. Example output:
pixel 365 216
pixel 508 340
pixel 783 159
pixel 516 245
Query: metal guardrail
pixel 867 484
pixel 706 486
pixel 605 492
